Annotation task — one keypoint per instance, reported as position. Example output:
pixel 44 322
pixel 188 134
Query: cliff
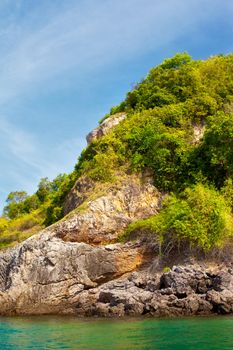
pixel 77 267
pixel 144 224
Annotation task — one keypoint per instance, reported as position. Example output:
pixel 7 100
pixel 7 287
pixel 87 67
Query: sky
pixel 65 63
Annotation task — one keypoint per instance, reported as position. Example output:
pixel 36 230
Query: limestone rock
pixel 76 267
pixel 45 274
pixel 126 296
pixel 105 217
pixel 105 126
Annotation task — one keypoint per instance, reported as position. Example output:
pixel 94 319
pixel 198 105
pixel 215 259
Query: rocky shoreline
pixel 46 275
pixel 184 291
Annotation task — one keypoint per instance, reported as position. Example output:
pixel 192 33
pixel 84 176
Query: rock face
pixel 105 126
pixel 77 267
pixel 47 272
pixel 79 193
pixel 104 218
pixel 186 290
pixel 46 275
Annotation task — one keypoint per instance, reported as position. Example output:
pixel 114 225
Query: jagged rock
pixel 126 296
pixel 44 274
pixel 71 267
pixel 105 126
pixel 222 301
pixel 104 218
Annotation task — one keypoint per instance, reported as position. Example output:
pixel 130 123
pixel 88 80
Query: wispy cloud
pixel 88 35
pixel 26 161
pixel 22 146
pixel 16 141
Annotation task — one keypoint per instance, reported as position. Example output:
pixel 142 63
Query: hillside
pixel 144 223
pixel 177 124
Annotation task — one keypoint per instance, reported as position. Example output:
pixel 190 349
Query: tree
pixel 44 189
pixel 177 61
pixel 15 204
pixel 215 153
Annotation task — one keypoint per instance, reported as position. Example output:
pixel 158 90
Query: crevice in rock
pixel 146 311
pixel 219 309
pixel 48 262
pixel 181 295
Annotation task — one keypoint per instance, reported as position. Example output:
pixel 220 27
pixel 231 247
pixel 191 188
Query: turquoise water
pixel 98 334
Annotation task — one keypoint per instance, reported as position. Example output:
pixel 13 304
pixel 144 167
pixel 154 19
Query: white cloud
pixel 89 35
pixel 22 146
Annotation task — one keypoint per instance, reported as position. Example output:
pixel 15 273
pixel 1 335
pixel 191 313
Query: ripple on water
pixel 50 333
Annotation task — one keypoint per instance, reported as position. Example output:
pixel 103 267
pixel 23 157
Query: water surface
pixel 99 334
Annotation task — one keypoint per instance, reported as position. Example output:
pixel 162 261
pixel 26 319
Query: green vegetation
pixel 16 230
pixel 25 215
pixel 158 134
pixel 166 269
pixel 19 203
pixel 199 215
pixel 177 97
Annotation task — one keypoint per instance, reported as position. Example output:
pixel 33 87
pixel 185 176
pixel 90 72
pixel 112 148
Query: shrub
pixel 215 152
pixel 166 269
pixel 199 215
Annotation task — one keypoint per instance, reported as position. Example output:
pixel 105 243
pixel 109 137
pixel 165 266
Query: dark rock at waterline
pixel 185 290
pixel 46 275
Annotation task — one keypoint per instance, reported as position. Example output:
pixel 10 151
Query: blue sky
pixel 64 63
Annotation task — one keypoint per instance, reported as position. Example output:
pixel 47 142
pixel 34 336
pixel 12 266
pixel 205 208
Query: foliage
pixel 166 269
pixel 151 142
pixel 214 156
pixel 101 158
pixel 59 188
pixel 49 199
pixel 19 203
pixel 180 79
pixel 199 215
pixel 44 188
pixel 227 191
pixel 158 133
pixel 16 230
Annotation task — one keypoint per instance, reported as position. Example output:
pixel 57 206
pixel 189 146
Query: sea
pixel 196 333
